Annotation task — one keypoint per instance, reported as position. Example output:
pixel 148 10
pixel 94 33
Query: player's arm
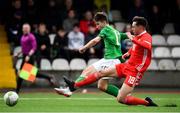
pixel 90 44
pixel 129 51
pixel 124 36
pixel 144 42
pixel 127 54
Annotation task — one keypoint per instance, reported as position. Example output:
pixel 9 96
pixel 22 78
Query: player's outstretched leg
pixel 71 84
pixel 124 97
pixel 91 78
pixel 86 81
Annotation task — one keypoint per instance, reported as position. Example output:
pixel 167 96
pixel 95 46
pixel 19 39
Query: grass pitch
pixel 90 102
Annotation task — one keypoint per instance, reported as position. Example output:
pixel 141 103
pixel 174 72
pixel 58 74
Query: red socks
pixel 87 80
pixel 130 100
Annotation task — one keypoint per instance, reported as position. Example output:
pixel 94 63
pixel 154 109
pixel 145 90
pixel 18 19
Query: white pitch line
pixel 93 112
pixel 89 112
pixel 178 99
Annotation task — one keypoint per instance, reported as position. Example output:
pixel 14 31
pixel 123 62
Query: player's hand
pixel 27 58
pixel 82 50
pixel 125 56
pixel 129 35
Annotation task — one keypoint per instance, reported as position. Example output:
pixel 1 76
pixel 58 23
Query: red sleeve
pixel 129 51
pixel 144 42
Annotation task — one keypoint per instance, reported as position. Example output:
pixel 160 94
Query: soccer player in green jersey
pixel 112 56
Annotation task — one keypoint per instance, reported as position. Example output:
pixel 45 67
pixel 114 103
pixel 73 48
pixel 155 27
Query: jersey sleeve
pixel 123 36
pixel 129 51
pixel 144 42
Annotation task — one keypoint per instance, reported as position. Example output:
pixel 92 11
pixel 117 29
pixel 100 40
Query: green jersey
pixel 112 40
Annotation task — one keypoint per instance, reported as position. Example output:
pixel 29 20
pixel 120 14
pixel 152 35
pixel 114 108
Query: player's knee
pixel 102 85
pixel 102 74
pixel 121 99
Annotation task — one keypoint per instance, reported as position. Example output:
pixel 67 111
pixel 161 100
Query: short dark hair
pixel 101 16
pixel 140 21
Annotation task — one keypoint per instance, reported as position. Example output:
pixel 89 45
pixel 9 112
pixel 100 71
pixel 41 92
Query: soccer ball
pixel 11 98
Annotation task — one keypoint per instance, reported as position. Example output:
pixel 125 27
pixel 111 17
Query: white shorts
pixel 104 64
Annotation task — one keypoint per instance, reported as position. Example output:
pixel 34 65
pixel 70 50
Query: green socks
pixel 112 90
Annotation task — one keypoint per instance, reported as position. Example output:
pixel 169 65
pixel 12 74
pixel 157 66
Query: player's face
pixel 100 25
pixel 135 28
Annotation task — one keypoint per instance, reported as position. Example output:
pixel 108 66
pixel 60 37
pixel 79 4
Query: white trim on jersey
pixel 142 33
pixel 117 35
pixel 144 60
pixel 147 42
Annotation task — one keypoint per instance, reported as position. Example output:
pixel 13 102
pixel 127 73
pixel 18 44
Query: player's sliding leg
pixel 104 86
pixel 89 79
pixel 124 97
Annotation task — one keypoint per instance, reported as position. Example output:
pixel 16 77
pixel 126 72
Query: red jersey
pixel 141 52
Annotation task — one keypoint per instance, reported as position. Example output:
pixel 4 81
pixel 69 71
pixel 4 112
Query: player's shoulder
pixel 147 35
pixel 104 29
pixel 107 28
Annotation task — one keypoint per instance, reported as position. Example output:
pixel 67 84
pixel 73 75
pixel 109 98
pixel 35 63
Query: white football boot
pixel 63 91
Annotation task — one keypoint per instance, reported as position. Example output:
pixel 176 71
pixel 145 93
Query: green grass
pixel 97 102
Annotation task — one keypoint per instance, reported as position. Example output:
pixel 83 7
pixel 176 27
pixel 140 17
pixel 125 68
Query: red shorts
pixel 131 75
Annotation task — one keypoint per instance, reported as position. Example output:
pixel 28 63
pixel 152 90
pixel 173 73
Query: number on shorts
pixel 131 80
pixel 104 67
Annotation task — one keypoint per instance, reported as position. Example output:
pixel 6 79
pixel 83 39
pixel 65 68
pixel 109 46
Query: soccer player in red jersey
pixel 132 70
